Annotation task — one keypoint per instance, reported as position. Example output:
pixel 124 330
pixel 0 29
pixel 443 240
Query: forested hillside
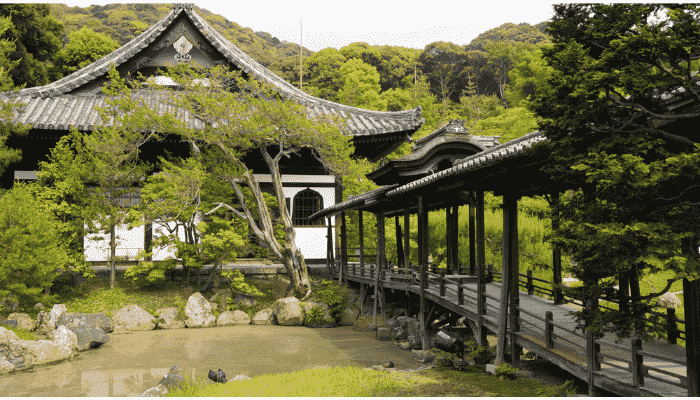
pixel 487 83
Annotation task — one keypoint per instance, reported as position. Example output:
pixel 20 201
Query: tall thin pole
pixel 301 52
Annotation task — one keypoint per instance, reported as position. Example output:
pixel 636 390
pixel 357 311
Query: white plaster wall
pixel 312 241
pixel 129 243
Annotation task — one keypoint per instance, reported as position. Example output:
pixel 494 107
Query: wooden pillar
pixel 691 293
pixel 556 260
pixel 329 249
pixel 455 237
pixel 399 243
pixel 148 238
pixel 478 201
pixel 406 238
pixel 362 242
pixel 511 201
pixel 343 248
pixel 448 237
pixel 423 251
pixel 505 285
pixel 380 259
pixel 592 363
pixel 472 234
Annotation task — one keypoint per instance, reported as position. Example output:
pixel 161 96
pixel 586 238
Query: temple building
pixel 183 36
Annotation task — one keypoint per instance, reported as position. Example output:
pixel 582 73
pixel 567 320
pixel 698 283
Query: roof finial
pixel 183 6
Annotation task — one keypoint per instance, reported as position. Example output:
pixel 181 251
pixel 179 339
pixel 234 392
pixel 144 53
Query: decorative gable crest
pixel 183 47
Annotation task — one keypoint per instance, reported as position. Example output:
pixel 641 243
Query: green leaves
pixel 84 47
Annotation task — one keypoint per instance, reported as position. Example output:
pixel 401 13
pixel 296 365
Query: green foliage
pixel 236 281
pixel 322 73
pixel 511 124
pixel 36 35
pixel 528 77
pixel 505 371
pixel 30 246
pixel 335 296
pixel 482 355
pixel 316 317
pixel 524 33
pixel 360 86
pixel 84 47
pixel 154 271
pixel 22 333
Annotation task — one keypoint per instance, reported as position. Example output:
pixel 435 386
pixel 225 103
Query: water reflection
pixel 131 363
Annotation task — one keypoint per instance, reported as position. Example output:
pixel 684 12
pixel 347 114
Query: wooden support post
pixel 455 237
pixel 406 238
pixel 380 259
pixel 362 243
pixel 505 284
pixel 549 329
pixel 477 197
pixel 556 261
pixel 691 296
pixel 671 326
pixel 329 249
pixel 147 238
pixel 460 292
pixel 511 202
pixel 383 303
pixel 363 292
pixel 423 251
pixel 343 248
pixel 442 283
pixel 472 234
pixel 530 286
pixel 637 364
pixel 623 292
pixel 448 237
pixel 399 243
pixel 592 351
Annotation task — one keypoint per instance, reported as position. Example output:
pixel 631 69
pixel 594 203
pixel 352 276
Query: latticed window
pixel 306 203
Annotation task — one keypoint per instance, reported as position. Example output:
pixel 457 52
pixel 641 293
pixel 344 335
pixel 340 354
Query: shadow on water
pixel 135 361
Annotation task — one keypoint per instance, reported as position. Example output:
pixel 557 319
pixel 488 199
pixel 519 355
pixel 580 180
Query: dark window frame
pixel 306 203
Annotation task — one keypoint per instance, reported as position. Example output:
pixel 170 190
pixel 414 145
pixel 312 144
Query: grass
pixel 356 382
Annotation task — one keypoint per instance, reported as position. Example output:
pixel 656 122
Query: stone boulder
pixel 9 323
pixel 133 318
pixel 17 354
pixel 244 300
pixel 263 317
pixel 173 379
pixel 43 323
pixel 667 300
pixel 56 311
pixel 198 312
pixel 423 356
pixel 156 391
pixel 167 318
pixel 9 304
pixel 89 338
pixel 288 311
pixel 87 320
pixel 349 316
pixel 328 322
pixel 237 317
pixel 220 298
pixel 38 306
pixel 66 338
pixel 24 321
pixel 399 333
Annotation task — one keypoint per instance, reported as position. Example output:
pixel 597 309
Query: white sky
pixel 377 22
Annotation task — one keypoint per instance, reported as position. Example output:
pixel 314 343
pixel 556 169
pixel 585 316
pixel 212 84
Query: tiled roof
pixel 351 202
pixel 52 105
pixel 506 150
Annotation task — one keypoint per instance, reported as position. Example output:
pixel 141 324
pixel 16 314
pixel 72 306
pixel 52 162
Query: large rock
pixel 198 312
pixel 17 354
pixel 349 316
pixel 263 317
pixel 220 298
pixel 173 379
pixel 237 317
pixel 328 321
pixel 288 311
pixel 667 300
pixel 156 391
pixel 86 320
pixel 56 311
pixel 167 318
pixel 65 337
pixel 89 338
pixel 43 323
pixel 24 321
pixel 244 300
pixel 133 318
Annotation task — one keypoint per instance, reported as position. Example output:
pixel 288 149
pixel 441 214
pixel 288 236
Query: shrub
pixel 505 371
pixel 236 281
pixel 316 317
pixel 333 295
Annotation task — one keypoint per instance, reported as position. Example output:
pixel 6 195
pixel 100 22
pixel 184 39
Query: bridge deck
pixel 569 350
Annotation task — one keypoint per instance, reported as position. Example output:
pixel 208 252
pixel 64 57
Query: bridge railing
pixel 673 332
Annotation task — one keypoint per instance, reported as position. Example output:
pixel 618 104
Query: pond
pixel 132 362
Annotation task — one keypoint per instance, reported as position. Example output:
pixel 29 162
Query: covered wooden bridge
pixel 493 302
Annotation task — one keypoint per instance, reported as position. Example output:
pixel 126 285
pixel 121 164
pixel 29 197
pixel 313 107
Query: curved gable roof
pixel 358 122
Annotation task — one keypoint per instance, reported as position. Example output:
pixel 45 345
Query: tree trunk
pixel 210 279
pixel 112 256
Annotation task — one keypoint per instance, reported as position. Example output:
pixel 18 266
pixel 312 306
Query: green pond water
pixel 135 361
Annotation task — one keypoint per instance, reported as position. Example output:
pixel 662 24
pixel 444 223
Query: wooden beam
pixel 448 238
pixel 455 237
pixel 380 260
pixel 556 260
pixel 511 201
pixel 423 251
pixel 472 233
pixel 362 243
pixel 343 248
pixel 399 243
pixel 329 249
